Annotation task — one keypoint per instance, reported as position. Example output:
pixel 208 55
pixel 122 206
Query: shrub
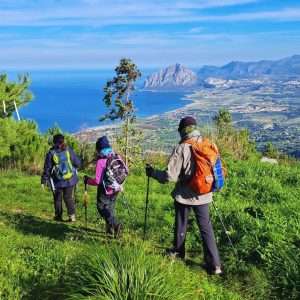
pixel 22 146
pixel 126 273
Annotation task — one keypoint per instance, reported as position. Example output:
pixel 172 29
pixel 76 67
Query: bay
pixel 73 99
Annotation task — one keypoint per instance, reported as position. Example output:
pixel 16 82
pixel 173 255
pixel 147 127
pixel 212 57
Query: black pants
pixel 68 195
pixel 211 254
pixel 106 208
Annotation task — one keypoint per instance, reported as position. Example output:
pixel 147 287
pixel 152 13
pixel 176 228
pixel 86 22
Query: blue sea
pixel 73 99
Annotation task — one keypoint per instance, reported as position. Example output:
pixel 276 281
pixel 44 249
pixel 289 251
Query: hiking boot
pixel 117 230
pixel 109 230
pixel 217 271
pixel 211 270
pixel 57 218
pixel 171 252
pixel 72 218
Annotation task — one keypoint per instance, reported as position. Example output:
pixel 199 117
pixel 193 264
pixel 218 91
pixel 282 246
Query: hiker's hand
pixel 149 170
pixel 85 179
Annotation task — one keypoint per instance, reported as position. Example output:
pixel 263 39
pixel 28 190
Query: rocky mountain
pixel 286 67
pixel 176 76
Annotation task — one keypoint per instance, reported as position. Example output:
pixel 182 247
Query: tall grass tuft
pixel 121 273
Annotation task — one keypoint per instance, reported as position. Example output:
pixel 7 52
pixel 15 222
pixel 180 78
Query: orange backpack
pixel 206 155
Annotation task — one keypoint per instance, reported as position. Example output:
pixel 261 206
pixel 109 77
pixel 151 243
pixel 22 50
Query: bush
pixel 22 146
pixel 231 141
pixel 128 272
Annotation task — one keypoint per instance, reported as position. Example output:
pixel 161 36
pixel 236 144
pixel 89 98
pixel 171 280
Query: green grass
pixel 42 259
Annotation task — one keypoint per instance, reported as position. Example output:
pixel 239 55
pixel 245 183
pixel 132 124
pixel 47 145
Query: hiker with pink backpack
pixel 111 172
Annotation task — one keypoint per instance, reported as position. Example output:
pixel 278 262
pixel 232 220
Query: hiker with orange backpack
pixel 190 166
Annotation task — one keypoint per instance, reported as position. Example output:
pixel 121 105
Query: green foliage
pixel 271 151
pixel 117 91
pixel 11 92
pixel 117 99
pixel 132 147
pixel 128 272
pixel 43 259
pixel 260 209
pixel 21 145
pixel 231 141
pixel 70 140
pixel 223 120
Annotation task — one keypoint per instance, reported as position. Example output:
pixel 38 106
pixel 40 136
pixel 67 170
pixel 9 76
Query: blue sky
pixel 85 34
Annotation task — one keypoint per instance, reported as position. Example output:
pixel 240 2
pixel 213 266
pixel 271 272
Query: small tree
pixel 117 97
pixel 232 141
pixel 271 151
pixel 13 93
pixel 223 120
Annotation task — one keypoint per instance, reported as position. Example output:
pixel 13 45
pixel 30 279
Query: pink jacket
pixel 100 168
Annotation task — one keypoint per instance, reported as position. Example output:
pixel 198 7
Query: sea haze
pixel 73 99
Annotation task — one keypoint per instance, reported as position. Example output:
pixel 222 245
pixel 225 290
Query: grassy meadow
pixel 43 259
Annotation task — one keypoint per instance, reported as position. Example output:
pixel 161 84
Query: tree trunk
pixel 127 129
pixel 126 141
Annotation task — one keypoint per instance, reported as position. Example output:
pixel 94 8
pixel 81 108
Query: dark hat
pixel 102 143
pixel 186 121
pixel 58 139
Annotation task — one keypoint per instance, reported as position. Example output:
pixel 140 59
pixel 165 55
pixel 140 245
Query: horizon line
pixel 111 68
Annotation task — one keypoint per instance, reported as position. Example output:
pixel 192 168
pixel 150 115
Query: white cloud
pixel 98 18
pixel 286 14
pixel 212 3
pixel 52 43
pixel 196 30
pixel 101 13
pixel 96 50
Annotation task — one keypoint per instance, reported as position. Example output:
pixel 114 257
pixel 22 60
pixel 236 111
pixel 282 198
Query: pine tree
pixel 117 97
pixel 13 93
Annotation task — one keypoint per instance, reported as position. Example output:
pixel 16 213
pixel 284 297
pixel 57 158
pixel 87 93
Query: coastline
pixel 268 112
pixel 90 134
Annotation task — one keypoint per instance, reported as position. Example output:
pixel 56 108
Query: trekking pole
pixel 146 208
pixel 75 194
pixel 85 201
pixel 225 230
pixel 52 186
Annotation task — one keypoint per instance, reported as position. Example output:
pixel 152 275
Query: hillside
pixel 286 67
pixel 178 76
pixel 42 259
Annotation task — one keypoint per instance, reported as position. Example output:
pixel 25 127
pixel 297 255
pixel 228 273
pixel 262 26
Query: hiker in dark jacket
pixel 60 175
pixel 180 169
pixel 105 198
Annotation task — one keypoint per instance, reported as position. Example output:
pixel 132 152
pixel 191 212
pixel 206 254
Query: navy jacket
pixel 49 164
